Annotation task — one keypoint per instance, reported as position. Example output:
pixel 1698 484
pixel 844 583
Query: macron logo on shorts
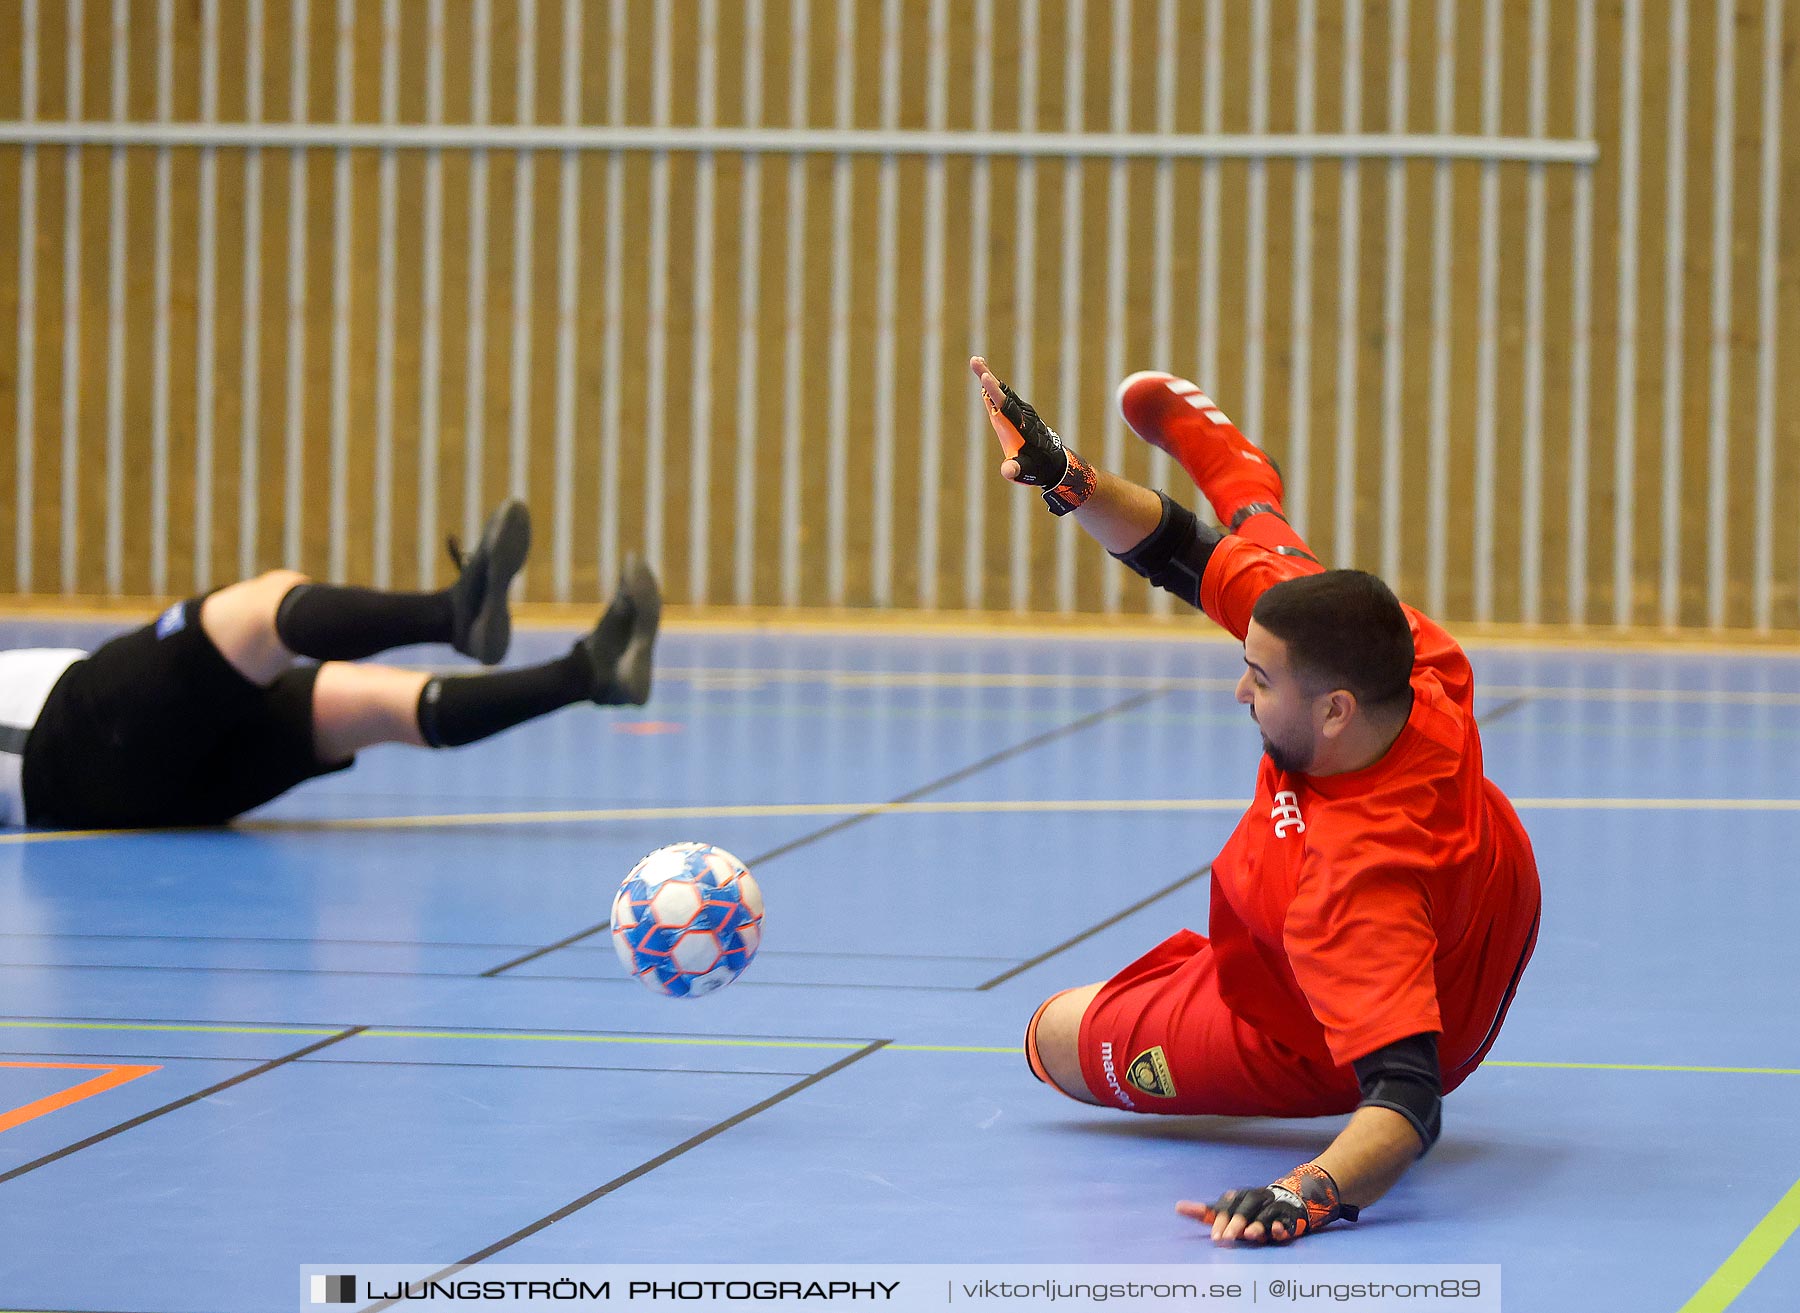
pixel 1112 1075
pixel 172 621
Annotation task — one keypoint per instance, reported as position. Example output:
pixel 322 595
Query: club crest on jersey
pixel 1286 814
pixel 1149 1072
pixel 172 621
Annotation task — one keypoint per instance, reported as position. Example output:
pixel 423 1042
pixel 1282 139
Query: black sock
pixel 459 709
pixel 333 623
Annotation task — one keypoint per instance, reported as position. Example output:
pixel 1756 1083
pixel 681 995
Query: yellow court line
pixel 179 1028
pixel 1695 696
pixel 898 622
pixel 1645 1066
pixel 997 806
pixel 688 1041
pixel 754 811
pixel 696 1041
pixel 741 1042
pixel 1659 804
pixel 734 677
pixel 773 811
pixel 749 675
pixel 1750 1257
pixel 58 836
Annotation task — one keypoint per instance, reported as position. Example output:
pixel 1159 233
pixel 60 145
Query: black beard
pixel 1283 759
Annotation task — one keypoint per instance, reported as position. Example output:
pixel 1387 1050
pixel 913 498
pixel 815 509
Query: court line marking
pixel 1189 629
pixel 193 1028
pixel 753 811
pixel 1646 1066
pixel 770 811
pixel 609 981
pixel 777 811
pixel 86 936
pixel 492 1032
pixel 1094 929
pixel 943 782
pixel 757 1042
pixel 407 1062
pixel 1753 1253
pixel 1504 709
pixel 741 676
pixel 645 1168
pixel 112 1075
pixel 183 1102
pixel 682 1041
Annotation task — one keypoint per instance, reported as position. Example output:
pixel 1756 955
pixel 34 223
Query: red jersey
pixel 1353 910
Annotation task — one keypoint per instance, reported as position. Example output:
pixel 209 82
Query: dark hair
pixel 1345 629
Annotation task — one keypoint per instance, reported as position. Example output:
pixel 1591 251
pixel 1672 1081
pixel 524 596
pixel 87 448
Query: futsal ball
pixel 687 920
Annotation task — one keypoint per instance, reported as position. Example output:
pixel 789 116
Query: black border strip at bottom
pixel 195 1097
pixel 642 1169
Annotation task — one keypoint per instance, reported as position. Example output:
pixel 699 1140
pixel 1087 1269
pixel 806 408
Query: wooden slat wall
pixel 1079 402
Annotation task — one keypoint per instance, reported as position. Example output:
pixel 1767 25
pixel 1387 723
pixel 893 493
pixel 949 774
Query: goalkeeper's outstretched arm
pixel 1156 537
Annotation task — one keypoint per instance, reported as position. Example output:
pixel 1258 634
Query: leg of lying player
pixel 1335 977
pixel 204 714
pixel 262 624
pixel 356 706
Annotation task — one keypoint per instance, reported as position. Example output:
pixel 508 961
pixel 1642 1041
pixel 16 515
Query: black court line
pixel 1503 710
pixel 1095 929
pixel 154 1113
pixel 838 827
pixel 644 1169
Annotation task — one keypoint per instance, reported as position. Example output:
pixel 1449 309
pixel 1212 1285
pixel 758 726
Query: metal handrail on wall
pixel 1075 147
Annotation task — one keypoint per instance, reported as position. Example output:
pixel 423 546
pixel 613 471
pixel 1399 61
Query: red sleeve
pixel 1364 952
pixel 1238 573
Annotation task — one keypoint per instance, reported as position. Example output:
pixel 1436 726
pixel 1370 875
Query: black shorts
pixel 156 728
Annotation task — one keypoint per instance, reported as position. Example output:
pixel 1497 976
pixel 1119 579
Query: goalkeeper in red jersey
pixel 1375 907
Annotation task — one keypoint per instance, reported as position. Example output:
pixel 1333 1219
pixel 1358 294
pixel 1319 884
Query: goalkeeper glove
pixel 1042 458
pixel 1304 1200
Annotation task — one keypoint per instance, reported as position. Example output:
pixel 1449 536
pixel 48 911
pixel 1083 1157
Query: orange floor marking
pixel 112 1076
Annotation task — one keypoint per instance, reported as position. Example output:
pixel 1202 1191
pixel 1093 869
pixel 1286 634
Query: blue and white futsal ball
pixel 687 920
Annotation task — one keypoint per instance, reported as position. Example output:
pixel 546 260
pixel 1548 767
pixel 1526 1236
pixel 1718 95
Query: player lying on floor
pixel 204 714
pixel 1374 909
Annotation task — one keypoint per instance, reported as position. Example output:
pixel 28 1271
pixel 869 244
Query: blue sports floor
pixel 360 1049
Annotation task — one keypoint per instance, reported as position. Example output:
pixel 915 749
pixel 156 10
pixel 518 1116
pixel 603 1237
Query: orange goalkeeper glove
pixel 1304 1200
pixel 1039 455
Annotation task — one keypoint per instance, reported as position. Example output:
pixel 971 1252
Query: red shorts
pixel 1158 1038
